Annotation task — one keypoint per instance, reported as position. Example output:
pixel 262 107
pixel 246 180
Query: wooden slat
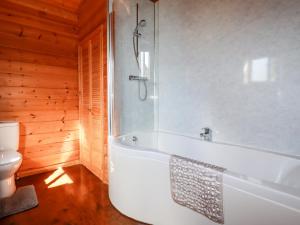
pixel 41 9
pixel 48 127
pixel 25 19
pixel 7 66
pixel 16 105
pixel 34 81
pixel 30 44
pixel 88 9
pixel 13 54
pixel 37 93
pixel 91 14
pixel 40 162
pixel 50 149
pixel 45 169
pixel 63 146
pixel 38 35
pixel 71 5
pixel 40 116
pixel 48 138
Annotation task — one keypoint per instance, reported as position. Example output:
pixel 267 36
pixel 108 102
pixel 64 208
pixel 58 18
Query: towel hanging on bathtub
pixel 198 186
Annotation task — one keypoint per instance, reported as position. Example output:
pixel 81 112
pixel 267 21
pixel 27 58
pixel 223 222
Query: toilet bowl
pixel 10 158
pixel 10 161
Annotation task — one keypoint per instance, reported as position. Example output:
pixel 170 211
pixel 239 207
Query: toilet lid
pixel 7 157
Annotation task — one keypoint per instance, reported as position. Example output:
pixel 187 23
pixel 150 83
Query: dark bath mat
pixel 24 199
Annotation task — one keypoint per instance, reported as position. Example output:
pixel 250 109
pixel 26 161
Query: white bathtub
pixel 260 188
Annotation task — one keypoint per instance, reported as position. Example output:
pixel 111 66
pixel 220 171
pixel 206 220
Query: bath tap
pixel 134 138
pixel 206 134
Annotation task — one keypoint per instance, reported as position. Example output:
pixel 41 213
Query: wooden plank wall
pixel 93 88
pixel 39 81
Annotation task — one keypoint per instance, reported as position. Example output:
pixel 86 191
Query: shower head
pixel 142 23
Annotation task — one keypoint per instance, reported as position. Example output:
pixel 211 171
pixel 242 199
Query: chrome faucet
pixel 134 138
pixel 206 134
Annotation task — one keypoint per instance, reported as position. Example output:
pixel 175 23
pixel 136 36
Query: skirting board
pixel 94 171
pixel 47 169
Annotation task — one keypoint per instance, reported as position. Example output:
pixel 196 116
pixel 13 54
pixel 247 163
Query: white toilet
pixel 10 158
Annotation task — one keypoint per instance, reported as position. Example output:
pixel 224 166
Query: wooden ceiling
pixel 65 11
pixel 70 5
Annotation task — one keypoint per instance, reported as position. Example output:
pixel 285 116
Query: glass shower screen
pixel 133 79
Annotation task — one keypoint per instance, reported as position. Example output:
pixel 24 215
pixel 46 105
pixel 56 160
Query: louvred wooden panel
pixel 93 107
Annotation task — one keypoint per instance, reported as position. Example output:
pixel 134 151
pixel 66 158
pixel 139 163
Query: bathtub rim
pixel 249 183
pixel 230 145
pixel 265 156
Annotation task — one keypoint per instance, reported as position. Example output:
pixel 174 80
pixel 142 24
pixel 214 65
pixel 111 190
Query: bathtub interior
pixel 271 170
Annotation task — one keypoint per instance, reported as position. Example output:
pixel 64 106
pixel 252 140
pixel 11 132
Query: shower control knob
pixel 134 77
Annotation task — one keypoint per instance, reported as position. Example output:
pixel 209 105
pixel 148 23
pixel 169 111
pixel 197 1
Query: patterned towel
pixel 198 186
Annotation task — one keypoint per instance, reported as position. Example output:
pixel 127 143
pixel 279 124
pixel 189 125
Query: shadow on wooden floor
pixel 69 196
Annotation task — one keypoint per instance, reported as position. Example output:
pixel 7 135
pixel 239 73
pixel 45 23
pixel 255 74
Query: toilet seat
pixel 9 156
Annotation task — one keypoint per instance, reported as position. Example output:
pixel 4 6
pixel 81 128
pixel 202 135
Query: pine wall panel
pixel 39 80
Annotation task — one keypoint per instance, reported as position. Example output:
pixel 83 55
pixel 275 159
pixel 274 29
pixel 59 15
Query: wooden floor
pixel 72 196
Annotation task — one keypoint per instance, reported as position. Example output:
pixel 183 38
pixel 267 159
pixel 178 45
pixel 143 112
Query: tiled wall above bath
pixel 233 66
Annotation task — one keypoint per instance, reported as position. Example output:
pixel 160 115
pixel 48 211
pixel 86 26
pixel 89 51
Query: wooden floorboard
pixel 83 199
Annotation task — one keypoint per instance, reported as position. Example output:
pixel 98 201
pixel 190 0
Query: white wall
pixel 233 66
